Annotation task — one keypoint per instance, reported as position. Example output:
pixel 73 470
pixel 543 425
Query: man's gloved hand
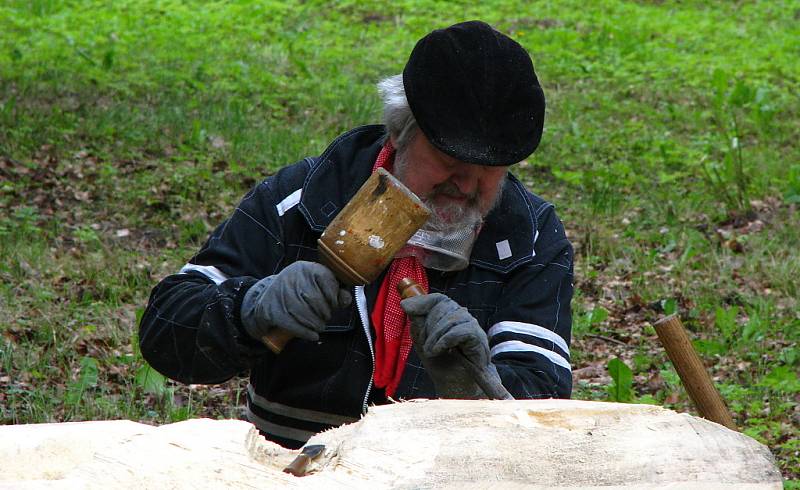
pixel 300 299
pixel 451 344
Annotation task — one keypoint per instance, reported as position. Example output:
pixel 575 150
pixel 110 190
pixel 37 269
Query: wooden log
pixel 453 444
pixel 692 372
pixel 49 451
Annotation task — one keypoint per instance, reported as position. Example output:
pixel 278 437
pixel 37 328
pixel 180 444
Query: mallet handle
pixel 692 372
pixel 276 339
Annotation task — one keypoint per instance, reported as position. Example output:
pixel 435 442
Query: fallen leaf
pixel 218 142
pixel 672 398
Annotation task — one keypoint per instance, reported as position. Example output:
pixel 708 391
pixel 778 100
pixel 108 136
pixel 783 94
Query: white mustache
pixel 449 189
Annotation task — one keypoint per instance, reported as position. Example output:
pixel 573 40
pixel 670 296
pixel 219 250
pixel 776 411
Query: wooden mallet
pixel 365 236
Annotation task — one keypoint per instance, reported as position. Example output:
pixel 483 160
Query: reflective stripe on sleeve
pixel 279 430
pixel 517 346
pixel 529 329
pixel 209 271
pixel 297 413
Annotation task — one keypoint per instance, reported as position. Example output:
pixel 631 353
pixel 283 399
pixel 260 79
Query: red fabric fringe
pixel 392 327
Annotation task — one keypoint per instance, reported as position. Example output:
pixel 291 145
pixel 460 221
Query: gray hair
pixel 397 114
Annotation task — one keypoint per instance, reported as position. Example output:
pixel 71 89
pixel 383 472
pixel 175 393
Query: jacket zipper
pixel 361 306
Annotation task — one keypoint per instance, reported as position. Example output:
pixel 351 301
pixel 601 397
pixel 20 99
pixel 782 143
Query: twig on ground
pixel 607 339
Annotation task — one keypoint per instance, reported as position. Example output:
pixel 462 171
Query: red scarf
pixel 392 327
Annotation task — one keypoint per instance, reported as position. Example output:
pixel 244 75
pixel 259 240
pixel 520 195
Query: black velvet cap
pixel 475 95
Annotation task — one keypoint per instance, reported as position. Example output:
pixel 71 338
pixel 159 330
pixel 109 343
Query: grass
pixel 128 130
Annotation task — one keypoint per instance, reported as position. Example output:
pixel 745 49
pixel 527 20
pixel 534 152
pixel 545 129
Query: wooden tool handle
pixel 408 288
pixel 692 372
pixel 487 380
pixel 276 339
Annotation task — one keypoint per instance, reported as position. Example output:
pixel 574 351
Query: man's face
pixel 458 193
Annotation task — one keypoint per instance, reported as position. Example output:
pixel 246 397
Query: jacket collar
pixel 509 231
pixel 505 241
pixel 337 174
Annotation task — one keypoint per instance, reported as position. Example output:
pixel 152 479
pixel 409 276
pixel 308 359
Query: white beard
pixel 451 217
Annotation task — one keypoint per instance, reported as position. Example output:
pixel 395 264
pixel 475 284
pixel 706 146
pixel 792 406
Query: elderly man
pixel 494 257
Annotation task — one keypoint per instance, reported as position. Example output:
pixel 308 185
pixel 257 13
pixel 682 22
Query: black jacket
pixel 518 286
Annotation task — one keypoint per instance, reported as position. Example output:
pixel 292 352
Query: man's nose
pixel 466 178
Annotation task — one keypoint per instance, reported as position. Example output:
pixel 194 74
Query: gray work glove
pixel 300 299
pixel 452 346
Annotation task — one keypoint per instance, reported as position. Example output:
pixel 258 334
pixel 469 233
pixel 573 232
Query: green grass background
pixel 128 129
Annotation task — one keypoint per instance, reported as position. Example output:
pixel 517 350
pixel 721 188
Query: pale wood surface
pixel 50 451
pixel 421 444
